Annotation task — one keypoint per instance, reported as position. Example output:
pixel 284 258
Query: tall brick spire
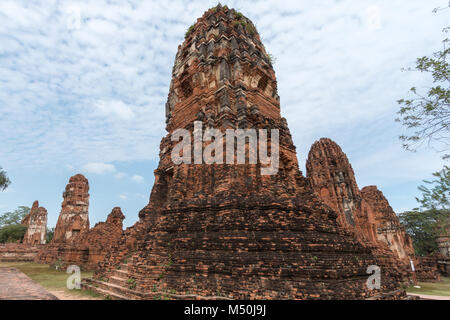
pixel 224 78
pixel 224 229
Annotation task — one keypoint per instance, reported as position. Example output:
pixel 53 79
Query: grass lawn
pixel 441 288
pixel 51 279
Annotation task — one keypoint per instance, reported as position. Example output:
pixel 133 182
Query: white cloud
pixel 123 197
pixel 116 108
pixel 120 175
pixel 99 167
pixel 138 179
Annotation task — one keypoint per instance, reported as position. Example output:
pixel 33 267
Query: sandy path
pixel 429 297
pixel 64 295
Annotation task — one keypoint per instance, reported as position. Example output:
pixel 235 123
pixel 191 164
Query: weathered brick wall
pixel 227 230
pixel 427 269
pixel 18 252
pixel 443 243
pixel 89 248
pixel 122 249
pixel 388 226
pixel 36 221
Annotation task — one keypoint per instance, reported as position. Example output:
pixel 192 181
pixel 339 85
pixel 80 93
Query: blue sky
pixel 83 86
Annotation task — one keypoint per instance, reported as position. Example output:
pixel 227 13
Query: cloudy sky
pixel 83 86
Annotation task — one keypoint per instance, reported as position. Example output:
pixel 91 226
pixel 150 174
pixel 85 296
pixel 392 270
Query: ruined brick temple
pixel 73 242
pixel 443 242
pixel 36 221
pixel 33 240
pixel 227 231
pixel 365 212
pixel 74 217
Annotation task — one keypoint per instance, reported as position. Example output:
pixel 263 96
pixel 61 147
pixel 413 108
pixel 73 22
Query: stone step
pixel 118 289
pixel 152 273
pixel 104 293
pixel 116 292
pixel 119 273
pixel 121 281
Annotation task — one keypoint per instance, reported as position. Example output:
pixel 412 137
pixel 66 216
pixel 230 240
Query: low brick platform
pixel 18 252
pixel 15 285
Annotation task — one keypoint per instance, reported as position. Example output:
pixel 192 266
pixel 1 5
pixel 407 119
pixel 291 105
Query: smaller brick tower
pixel 36 221
pixel 74 217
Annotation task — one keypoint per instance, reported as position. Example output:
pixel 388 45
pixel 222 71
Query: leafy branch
pixel 428 114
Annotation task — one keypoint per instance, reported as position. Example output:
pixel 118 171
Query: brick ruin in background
pixel 444 245
pixel 366 212
pixel 226 231
pixel 389 229
pixel 443 242
pixel 74 217
pixel 88 248
pixel 74 243
pixel 33 241
pixel 36 221
pixel 93 245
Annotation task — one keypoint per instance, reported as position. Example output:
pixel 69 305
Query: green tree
pixel 438 197
pixel 424 227
pixel 15 217
pixel 432 219
pixel 12 233
pixel 4 180
pixel 50 233
pixel 427 115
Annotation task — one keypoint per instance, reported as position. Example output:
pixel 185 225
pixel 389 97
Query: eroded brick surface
pixel 389 229
pixel 74 217
pixel 87 249
pixel 427 268
pixel 18 252
pixel 36 221
pixel 443 242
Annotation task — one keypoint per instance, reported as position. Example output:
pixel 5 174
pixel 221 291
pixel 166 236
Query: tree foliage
pixel 432 219
pixel 424 227
pixel 438 197
pixel 427 115
pixel 4 180
pixel 15 217
pixel 12 233
pixel 50 232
